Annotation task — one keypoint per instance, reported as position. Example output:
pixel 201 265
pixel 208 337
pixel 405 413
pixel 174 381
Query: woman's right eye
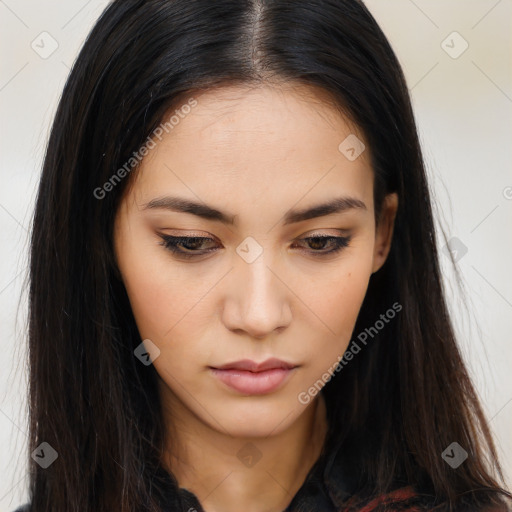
pixel 187 246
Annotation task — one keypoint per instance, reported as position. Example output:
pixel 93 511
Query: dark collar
pixel 330 482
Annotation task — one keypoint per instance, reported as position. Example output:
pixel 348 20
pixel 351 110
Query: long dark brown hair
pixel 396 407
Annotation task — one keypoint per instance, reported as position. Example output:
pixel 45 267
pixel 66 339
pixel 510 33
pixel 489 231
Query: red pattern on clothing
pixel 397 496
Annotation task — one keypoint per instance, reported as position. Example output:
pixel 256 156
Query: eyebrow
pixel 182 205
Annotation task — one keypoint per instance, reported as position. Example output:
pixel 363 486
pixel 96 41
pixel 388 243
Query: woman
pixel 235 295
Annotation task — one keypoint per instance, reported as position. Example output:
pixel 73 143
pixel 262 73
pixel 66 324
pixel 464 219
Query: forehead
pixel 252 143
pixel 234 112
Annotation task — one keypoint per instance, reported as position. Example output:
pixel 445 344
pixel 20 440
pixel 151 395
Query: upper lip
pixel 253 366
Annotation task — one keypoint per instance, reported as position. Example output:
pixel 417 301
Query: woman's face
pixel 244 173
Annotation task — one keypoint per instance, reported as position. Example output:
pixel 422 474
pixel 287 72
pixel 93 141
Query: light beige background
pixel 463 107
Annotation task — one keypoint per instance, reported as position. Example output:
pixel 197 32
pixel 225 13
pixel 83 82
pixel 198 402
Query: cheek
pixel 149 295
pixel 344 301
pixel 163 308
pixel 336 295
pixel 169 309
pixel 160 298
pixel 336 301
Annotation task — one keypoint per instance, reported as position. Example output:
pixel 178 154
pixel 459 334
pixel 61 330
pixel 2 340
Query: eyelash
pixel 171 243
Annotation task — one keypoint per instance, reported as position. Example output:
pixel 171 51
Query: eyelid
pixel 181 233
pixel 339 242
pixel 319 233
pixel 171 243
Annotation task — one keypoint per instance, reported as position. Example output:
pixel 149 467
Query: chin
pixel 255 419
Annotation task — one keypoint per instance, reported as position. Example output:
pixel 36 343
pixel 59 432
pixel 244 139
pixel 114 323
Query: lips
pixel 250 378
pixel 252 366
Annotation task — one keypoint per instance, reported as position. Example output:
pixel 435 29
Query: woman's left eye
pixel 321 242
pixel 187 247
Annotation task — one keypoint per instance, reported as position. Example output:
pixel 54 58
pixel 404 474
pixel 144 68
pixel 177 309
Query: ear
pixel 384 231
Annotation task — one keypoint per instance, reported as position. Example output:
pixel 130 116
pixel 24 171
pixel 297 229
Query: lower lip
pixel 253 383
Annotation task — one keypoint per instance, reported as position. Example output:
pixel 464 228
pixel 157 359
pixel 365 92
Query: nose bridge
pixel 259 304
pixel 260 286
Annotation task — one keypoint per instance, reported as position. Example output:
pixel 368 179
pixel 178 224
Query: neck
pixel 230 474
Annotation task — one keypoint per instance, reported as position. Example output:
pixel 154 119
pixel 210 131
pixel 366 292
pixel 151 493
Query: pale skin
pixel 254 154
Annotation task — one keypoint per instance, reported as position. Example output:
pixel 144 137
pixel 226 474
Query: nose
pixel 258 302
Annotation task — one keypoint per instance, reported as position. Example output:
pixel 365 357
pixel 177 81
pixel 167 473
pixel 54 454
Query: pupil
pixel 193 243
pixel 318 242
